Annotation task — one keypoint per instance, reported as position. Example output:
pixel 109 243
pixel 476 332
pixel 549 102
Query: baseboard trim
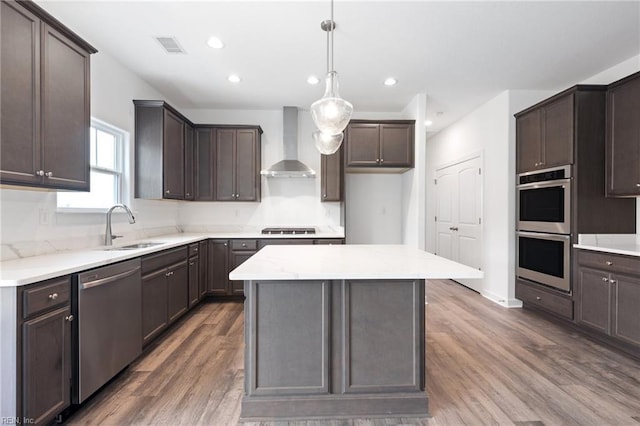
pixel 507 303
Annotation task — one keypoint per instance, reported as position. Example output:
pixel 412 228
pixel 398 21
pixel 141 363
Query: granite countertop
pixel 351 261
pixel 626 244
pixel 18 272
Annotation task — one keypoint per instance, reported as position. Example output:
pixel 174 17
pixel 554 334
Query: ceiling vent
pixel 170 44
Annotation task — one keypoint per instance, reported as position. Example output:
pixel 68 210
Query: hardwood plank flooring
pixel 486 365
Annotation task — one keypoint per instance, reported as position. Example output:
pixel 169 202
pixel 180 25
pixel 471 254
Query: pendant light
pixel 331 113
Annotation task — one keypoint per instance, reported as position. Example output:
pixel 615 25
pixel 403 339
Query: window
pixel 107 171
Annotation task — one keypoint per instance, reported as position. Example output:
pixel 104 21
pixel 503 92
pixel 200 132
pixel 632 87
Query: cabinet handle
pixel 377 160
pixel 40 173
pixel 167 192
pixel 195 249
pixel 68 318
pixel 49 174
pixel 613 281
pixel 237 195
pixel 324 195
pixel 244 244
pixel 381 160
pixel 605 279
pixel 53 296
pixel 538 298
pixel 638 185
pixel 188 195
pixel 609 263
pixel 225 244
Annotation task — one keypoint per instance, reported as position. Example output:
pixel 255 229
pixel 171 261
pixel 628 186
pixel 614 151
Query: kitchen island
pixel 337 331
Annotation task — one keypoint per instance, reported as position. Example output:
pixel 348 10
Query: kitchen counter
pixel 625 244
pixel 33 269
pixel 337 331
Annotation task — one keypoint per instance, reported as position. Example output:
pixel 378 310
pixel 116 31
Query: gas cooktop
pixel 289 231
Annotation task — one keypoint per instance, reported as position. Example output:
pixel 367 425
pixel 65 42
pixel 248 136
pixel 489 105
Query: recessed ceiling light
pixel 428 123
pixel 390 81
pixel 215 43
pixel 234 78
pixel 313 80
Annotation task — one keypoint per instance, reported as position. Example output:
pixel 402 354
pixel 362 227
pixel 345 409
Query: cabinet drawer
pixel 193 249
pixel 532 295
pixel 609 262
pixel 46 296
pixel 163 259
pixel 244 244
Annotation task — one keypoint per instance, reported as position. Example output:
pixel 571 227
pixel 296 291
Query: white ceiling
pixel 459 53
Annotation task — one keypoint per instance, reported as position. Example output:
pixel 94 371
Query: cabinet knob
pixel 381 160
pixel 225 244
pixel 324 195
pixel 613 281
pixel 40 173
pixel 244 244
pixel 188 195
pixel 538 298
pixel 167 192
pixel 191 263
pixel 53 296
pixel 49 174
pixel 605 279
pixel 609 263
pixel 377 160
pixel 638 185
pixel 195 249
pixel 68 318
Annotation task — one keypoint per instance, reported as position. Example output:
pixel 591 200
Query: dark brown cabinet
pixel 608 295
pixel 165 290
pixel 44 319
pixel 45 101
pixel 160 137
pixel 331 176
pixel 203 268
pixel 241 250
pixel 237 162
pixel 545 134
pixel 219 267
pixel 204 160
pixel 623 137
pixel 194 274
pixel 189 163
pixel 388 144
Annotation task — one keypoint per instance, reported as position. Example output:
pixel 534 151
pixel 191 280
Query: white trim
pixel 471 156
pixel 507 303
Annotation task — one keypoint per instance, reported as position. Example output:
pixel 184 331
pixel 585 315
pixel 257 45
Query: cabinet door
pixel 189 164
pixel 594 299
pixel 331 176
pixel 194 280
pixel 177 290
pixel 623 139
pixel 396 145
pixel 225 165
pixel 528 141
pixel 154 304
pixel 363 144
pixel 203 281
pixel 173 156
pixel 246 165
pixel 218 267
pixel 46 365
pixel 626 308
pixel 204 165
pixel 557 149
pixel 237 259
pixel 66 112
pixel 20 149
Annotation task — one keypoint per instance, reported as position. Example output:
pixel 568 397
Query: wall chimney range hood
pixel 290 167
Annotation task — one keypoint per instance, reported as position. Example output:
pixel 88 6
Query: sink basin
pixel 133 246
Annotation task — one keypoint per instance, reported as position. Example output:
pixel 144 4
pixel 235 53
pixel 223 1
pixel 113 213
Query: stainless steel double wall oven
pixel 544 227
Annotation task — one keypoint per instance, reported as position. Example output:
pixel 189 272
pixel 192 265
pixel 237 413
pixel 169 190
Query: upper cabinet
pixel 331 176
pixel 237 160
pixel 160 151
pixel 203 174
pixel 545 134
pixel 623 137
pixel 372 145
pixel 189 163
pixel 45 100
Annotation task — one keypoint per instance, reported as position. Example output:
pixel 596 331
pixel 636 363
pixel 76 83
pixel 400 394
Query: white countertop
pixel 29 270
pixel 349 262
pixel 626 244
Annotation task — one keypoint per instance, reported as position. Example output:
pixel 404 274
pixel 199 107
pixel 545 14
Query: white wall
pixel 29 222
pixel 285 201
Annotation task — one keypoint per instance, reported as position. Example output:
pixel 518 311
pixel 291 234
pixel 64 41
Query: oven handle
pixel 545 184
pixel 546 236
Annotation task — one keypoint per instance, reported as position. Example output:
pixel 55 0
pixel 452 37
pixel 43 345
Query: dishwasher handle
pixel 107 280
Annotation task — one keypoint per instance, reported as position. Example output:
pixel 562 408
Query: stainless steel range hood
pixel 290 167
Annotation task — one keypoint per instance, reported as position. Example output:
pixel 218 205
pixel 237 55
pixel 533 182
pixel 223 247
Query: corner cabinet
pixel 608 296
pixel 45 100
pixel 331 176
pixel 623 137
pixel 372 145
pixel 237 162
pixel 160 137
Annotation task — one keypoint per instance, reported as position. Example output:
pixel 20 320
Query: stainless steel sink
pixel 134 246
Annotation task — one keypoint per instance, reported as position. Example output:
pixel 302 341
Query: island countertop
pixel 352 261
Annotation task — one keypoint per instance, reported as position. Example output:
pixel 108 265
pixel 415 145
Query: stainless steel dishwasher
pixel 108 331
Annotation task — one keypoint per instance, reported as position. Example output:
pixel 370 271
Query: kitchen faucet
pixel 108 236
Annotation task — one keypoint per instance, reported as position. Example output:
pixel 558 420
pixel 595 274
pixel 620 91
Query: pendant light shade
pixel 331 113
pixel 327 144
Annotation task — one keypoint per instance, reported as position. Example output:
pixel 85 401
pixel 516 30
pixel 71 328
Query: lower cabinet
pixel 542 297
pixel 219 267
pixel 194 280
pixel 203 268
pixel 45 325
pixel 165 290
pixel 608 295
pixel 241 250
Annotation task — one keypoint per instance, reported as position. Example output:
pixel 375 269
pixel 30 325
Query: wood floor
pixel 485 365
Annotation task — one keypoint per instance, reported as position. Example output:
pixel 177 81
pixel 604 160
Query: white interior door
pixel 459 215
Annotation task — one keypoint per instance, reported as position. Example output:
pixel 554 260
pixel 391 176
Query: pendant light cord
pixel 331 28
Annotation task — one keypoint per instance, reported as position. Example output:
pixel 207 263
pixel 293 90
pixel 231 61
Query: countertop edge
pixel 613 250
